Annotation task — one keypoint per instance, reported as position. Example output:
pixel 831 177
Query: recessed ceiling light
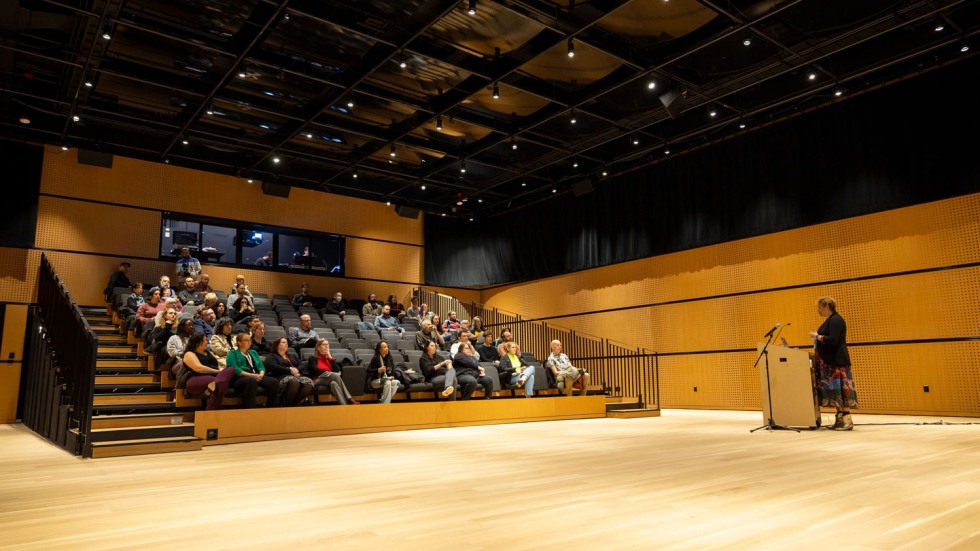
pixel 251 181
pixel 747 39
pixel 571 47
pixel 939 27
pixel 423 187
pixel 76 118
pixel 651 85
pixel 64 148
pixel 523 184
pixel 276 159
pixel 184 141
pixel 24 120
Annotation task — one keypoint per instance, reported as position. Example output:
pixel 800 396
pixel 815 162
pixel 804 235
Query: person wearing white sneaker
pixel 565 373
pixel 438 371
pixel 522 375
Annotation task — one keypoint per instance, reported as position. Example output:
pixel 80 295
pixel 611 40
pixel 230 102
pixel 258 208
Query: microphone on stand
pixel 780 332
pixel 771 331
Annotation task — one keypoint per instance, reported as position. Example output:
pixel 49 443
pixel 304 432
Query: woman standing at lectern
pixel 833 364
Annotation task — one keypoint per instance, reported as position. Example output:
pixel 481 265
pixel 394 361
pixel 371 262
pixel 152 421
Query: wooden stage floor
pixel 688 480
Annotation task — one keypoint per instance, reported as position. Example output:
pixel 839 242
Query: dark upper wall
pixel 905 144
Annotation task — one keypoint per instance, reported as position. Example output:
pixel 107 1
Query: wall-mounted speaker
pixel 673 100
pixel 582 187
pixel 407 212
pixel 275 190
pixel 94 158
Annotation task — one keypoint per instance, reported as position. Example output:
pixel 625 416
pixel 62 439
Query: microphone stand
pixel 769 425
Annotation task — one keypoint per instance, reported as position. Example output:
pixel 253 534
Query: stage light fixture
pixel 276 159
pixel 350 102
pixel 571 47
pixel 572 117
pixel 575 163
pixel 471 11
pixel 712 112
pixel 496 91
pixel 635 139
pixel 513 143
pixel 651 85
pixel 605 172
pixel 106 32
pixel 354 173
pixel 210 110
pixel 462 167
pixel 391 150
pixel 439 122
pixel 747 39
pixel 524 183
pixel 64 148
pixel 76 118
pixel 939 26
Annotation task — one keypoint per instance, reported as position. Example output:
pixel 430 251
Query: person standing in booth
pixel 833 364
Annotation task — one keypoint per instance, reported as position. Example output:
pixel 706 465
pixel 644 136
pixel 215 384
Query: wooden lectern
pixel 794 398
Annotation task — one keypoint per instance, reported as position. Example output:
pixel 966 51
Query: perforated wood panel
pixel 381 260
pixel 931 305
pixel 129 179
pixel 18 274
pixel 93 227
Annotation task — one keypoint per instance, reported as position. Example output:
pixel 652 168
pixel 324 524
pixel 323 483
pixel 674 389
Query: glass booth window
pixel 218 244
pixel 257 248
pixel 294 252
pixel 178 234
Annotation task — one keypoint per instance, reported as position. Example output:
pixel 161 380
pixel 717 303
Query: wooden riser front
pixel 152 432
pixel 143 379
pixel 633 413
pixel 125 349
pixel 130 398
pixel 139 420
pixel 143 447
pixel 101 362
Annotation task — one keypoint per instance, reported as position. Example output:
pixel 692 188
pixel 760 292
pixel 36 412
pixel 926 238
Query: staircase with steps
pixel 627 407
pixel 132 413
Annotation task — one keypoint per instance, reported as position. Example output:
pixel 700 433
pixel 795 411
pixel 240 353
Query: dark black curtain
pixel 22 182
pixel 905 144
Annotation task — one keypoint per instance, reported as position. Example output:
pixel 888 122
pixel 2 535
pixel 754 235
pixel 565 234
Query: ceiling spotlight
pixel 285 16
pixel 747 39
pixel 354 173
pixel 471 11
pixel 76 118
pixel 939 27
pixel 106 33
pixel 572 118
pixel 635 139
pixel 403 64
pixel 64 148
pixel 524 183
pixel 24 120
pixel 422 187
pixel 462 167
pixel 251 181
pixel 575 163
pixel 496 91
pixel 210 110
pixel 741 124
pixel 554 190
pixel 471 219
pixel 443 214
pixel 964 47
pixel 439 122
pixel 479 200
pixel 811 75
pixel 605 172
pixel 275 159
pixel 350 103
pixel 571 47
pixel 241 74
pixel 838 91
pixel 651 85
pixel 391 150
pixel 712 112
pixel 309 135
pixel 388 203
pixel 184 141
pixel 88 82
pixel 666 149
pixel 513 143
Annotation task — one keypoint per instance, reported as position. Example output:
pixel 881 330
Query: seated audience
pixel 425 313
pixel 133 302
pixel 242 308
pixel 506 336
pixel 205 323
pixel 189 295
pixel 204 284
pixel 336 305
pixel 119 278
pixel 325 371
pixel 222 342
pixel 488 350
pixel 303 336
pixel 187 265
pixel 178 342
pixel 170 303
pixel 147 312
pixel 438 371
pixel 210 301
pixel 250 374
pixel 464 337
pixel 565 373
pixel 220 311
pixel 259 343
pixel 303 297
pixel 372 307
pixel 397 309
pixel 163 284
pixel 413 309
pixel 476 328
pixel 451 324
pixel 167 295
pixel 156 341
pixel 241 293
pixel 519 373
pixel 381 373
pixel 386 322
pixel 428 333
pixel 283 364
pixel 240 282
pixel 469 372
pixel 208 377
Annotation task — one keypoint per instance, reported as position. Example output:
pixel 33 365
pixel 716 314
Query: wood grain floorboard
pixel 688 480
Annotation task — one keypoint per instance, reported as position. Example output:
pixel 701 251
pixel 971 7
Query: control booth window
pixel 218 245
pixel 322 254
pixel 178 234
pixel 257 247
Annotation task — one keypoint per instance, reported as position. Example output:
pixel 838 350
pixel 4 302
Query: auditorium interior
pixel 666 187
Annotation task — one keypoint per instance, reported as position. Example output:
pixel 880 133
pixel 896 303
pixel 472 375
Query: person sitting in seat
pixel 451 324
pixel 488 350
pixel 303 336
pixel 189 295
pixel 470 373
pixel 208 377
pixel 178 342
pixel 438 371
pixel 464 337
pixel 119 278
pixel 187 265
pixel 133 302
pixel 428 333
pixel 506 336
pixel 396 308
pixel 241 293
pixel 325 371
pixel 210 301
pixel 220 311
pixel 147 312
pixel 303 297
pixel 381 373
pixel 205 323
pixel 372 307
pixel 336 305
pixel 282 363
pixel 437 323
pixel 250 374
pixel 204 284
pixel 477 329
pixel 163 284
pixel 413 310
pixel 242 307
pixel 386 323
pixel 222 342
pixel 425 313
pixel 520 374
pixel 171 301
pixel 565 373
pixel 240 282
pixel 259 343
pixel 156 341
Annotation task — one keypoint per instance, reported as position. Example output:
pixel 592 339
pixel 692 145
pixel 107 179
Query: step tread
pixel 162 440
pixel 162 426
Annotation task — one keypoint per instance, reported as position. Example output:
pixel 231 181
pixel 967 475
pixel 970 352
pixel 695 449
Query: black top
pixel 262 347
pixel 466 365
pixel 334 307
pixel 117 279
pixel 488 353
pixel 833 349
pixel 300 298
pixel 428 365
pixel 375 365
pixel 207 359
pixel 277 366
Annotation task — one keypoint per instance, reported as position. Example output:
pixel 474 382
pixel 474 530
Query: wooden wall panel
pixel 381 260
pixel 140 183
pixel 67 224
pixel 18 274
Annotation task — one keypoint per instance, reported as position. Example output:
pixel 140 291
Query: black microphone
pixel 771 331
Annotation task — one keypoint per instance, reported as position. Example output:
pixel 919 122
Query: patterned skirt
pixel 836 385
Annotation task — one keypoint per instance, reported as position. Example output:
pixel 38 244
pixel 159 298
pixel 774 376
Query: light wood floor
pixel 687 480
